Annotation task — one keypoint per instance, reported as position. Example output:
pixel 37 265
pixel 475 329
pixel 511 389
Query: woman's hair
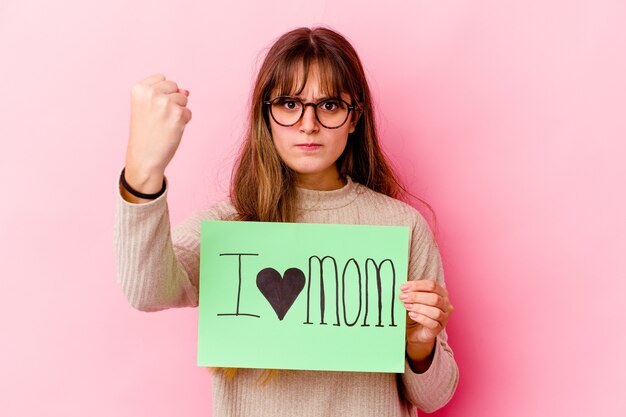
pixel 263 187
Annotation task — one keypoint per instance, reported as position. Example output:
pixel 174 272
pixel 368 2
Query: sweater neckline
pixel 324 200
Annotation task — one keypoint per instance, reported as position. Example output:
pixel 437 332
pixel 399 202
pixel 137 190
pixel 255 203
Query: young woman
pixel 310 154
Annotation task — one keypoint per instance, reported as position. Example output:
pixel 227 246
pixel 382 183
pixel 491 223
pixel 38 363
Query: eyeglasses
pixel 332 113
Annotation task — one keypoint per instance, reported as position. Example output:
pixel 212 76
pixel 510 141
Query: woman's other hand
pixel 428 308
pixel 157 121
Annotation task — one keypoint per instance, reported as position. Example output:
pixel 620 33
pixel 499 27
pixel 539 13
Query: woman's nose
pixel 309 122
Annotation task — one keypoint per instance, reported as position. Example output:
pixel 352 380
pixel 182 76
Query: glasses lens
pixel 286 110
pixel 332 112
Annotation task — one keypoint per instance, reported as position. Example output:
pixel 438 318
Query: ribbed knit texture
pixel 158 268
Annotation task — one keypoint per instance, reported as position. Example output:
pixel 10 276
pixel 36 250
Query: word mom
pixel 282 291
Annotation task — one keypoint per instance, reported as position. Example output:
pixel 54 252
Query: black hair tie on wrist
pixel 137 193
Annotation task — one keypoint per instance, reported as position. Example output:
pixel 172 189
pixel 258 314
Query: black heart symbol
pixel 280 292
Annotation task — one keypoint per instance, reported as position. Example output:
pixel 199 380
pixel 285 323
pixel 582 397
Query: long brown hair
pixel 263 187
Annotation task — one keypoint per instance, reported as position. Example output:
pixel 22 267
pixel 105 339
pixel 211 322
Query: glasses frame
pixel 304 106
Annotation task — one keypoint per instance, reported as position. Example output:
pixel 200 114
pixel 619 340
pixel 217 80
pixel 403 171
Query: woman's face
pixel 310 149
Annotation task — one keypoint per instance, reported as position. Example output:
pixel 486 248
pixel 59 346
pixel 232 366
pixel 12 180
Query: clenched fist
pixel 157 120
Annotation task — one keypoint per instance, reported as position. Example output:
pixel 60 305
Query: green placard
pixel 302 296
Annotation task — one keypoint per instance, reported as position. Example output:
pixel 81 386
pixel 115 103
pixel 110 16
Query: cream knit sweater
pixel 158 268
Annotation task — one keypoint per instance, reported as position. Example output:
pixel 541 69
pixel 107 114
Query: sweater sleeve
pixel 154 271
pixel 432 389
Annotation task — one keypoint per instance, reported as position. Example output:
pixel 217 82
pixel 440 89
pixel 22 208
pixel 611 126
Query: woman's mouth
pixel 309 146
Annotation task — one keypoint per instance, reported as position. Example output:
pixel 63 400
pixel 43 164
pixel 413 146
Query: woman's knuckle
pixel 176 113
pixel 161 102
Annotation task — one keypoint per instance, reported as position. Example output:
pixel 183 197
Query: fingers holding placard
pixel 428 307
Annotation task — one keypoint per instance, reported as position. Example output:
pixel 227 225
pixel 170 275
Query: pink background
pixel 508 117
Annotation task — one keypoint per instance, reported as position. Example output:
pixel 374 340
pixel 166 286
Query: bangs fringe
pixel 290 78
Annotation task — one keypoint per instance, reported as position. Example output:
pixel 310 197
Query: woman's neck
pixel 308 199
pixel 326 180
pixel 320 182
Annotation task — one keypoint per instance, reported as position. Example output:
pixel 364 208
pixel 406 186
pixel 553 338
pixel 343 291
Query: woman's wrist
pixel 143 180
pixel 420 355
pixel 143 192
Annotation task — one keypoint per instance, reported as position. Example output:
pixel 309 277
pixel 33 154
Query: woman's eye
pixel 330 106
pixel 290 104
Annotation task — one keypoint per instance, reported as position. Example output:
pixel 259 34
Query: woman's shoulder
pixel 390 211
pixel 389 207
pixel 220 210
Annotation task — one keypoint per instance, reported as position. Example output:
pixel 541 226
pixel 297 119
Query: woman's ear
pixel 355 119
